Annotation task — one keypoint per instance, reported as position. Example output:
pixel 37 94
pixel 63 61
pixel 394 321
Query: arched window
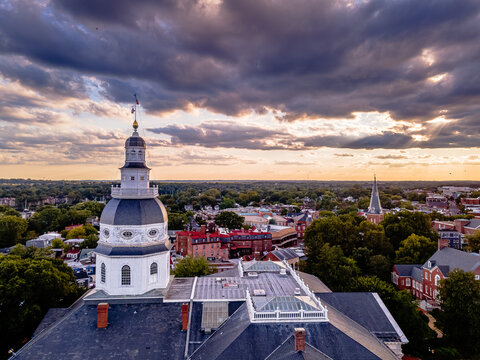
pixel 437 280
pixel 153 268
pixel 153 273
pixel 126 275
pixel 102 273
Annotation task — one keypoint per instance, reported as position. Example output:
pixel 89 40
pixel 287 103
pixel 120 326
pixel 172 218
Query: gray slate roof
pixel 417 274
pixel 448 259
pixel 135 331
pixel 375 207
pixel 239 339
pixel 284 254
pixel 133 212
pixel 363 308
pixel 474 223
pixel 286 351
pixel 106 249
pixel 406 269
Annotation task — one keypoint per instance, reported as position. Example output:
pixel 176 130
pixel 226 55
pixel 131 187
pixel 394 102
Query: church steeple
pixel 375 206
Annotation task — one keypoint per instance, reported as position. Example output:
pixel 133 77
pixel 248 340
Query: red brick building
pixel 423 281
pixel 217 246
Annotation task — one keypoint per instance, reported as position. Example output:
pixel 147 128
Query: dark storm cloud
pixel 305 58
pixel 53 82
pixel 226 134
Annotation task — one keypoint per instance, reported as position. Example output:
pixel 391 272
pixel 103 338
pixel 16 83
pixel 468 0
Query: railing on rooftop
pixel 279 315
pixel 304 286
pixel 123 193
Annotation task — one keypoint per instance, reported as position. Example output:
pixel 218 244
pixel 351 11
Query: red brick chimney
pixel 184 316
pixel 299 339
pixel 442 243
pixel 203 229
pixel 102 315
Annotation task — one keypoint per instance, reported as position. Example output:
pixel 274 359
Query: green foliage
pixel 7 210
pixel 90 242
pixel 81 232
pixel 229 220
pixel 94 208
pixel 415 250
pixel 401 225
pixel 192 266
pixel 413 323
pixel 459 317
pixel 11 230
pixel 332 266
pixel 45 219
pixel 473 242
pixel 177 221
pixel 363 202
pixel 29 286
pixel 227 203
pixel 58 244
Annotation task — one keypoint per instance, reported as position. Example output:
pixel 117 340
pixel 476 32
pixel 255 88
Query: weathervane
pixel 134 111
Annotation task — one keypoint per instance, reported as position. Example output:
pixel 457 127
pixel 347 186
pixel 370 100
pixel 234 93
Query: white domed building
pixel 133 252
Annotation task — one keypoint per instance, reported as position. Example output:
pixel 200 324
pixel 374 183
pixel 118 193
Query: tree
pixel 81 232
pixel 401 225
pixel 90 242
pixel 413 323
pixel 192 266
pixel 7 210
pixel 45 219
pixel 229 220
pixel 11 230
pixel 473 242
pixel 58 244
pixel 459 317
pixel 227 203
pixel 29 286
pixel 336 230
pixel 330 265
pixel 177 221
pixel 415 250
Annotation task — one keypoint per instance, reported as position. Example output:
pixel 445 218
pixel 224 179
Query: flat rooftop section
pixel 180 289
pixel 234 288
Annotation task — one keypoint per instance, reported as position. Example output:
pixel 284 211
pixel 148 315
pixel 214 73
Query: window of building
pixel 132 178
pixel 426 276
pixel 153 268
pixel 126 275
pixel 407 282
pixel 437 280
pixel 103 271
pixel 142 178
pixel 477 277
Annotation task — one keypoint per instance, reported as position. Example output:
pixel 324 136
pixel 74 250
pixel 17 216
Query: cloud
pixel 231 57
pixel 343 155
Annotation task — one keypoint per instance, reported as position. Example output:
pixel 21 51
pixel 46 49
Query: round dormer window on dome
pixel 127 234
pixel 106 233
pixel 153 232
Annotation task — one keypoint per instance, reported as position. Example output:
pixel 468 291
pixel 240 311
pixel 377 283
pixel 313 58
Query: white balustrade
pixel 123 193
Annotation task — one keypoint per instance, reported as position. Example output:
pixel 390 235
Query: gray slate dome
pixel 134 212
pixel 135 141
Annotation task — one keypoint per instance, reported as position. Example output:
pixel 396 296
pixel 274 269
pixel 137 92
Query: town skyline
pixel 331 90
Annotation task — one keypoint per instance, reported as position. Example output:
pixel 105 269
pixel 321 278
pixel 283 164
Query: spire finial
pixel 135 125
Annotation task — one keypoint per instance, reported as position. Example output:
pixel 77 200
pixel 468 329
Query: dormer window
pixel 429 264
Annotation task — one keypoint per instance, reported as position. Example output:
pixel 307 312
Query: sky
pixel 250 89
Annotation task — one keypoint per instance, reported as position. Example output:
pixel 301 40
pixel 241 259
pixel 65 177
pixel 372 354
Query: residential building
pixel 9 201
pixel 436 201
pixel 423 281
pixel 44 240
pixel 288 255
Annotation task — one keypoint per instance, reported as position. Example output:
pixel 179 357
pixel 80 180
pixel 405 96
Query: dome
pixel 135 140
pixel 134 212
